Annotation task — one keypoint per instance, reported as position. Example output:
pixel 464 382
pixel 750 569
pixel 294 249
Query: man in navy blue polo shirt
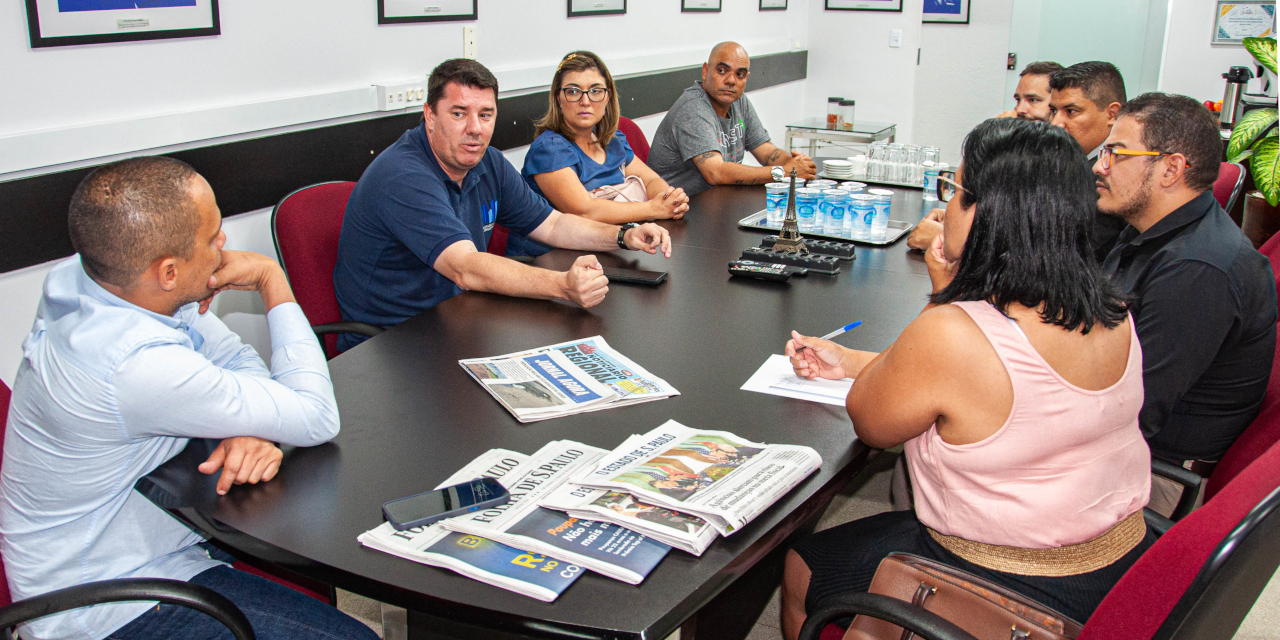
pixel 418 219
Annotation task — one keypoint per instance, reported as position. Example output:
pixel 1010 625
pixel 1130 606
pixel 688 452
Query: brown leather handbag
pixel 985 610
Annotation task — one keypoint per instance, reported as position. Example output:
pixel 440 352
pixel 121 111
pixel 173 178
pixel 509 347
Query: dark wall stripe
pixel 252 174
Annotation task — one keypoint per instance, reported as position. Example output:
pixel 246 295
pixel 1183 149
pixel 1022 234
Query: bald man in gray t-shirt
pixel 704 136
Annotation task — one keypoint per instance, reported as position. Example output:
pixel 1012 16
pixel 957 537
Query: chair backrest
pixel 1200 579
pixel 635 137
pixel 1264 431
pixel 5 598
pixel 1226 189
pixel 305 227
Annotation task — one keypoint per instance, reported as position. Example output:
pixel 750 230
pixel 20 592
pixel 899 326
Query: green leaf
pixel 1244 155
pixel 1265 166
pixel 1264 49
pixel 1249 129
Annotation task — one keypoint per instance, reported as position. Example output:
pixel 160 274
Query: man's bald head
pixel 731 48
pixel 724 76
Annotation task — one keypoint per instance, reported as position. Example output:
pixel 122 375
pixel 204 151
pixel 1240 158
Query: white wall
pixel 1193 66
pixel 850 56
pixel 954 91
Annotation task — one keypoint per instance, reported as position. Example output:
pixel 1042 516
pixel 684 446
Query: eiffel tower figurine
pixel 789 238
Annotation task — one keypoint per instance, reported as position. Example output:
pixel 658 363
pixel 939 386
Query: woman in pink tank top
pixel 1016 392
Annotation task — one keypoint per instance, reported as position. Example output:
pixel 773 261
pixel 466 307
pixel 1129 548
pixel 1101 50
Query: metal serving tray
pixel 869 182
pixel 760 222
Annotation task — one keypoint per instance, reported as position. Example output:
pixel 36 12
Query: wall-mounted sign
pixel 864 5
pixel 398 11
pixel 946 11
pixel 773 5
pixel 1240 19
pixel 690 6
pixel 58 23
pixel 596 7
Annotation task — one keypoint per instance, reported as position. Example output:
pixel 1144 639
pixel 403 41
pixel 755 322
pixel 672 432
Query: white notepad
pixel 776 377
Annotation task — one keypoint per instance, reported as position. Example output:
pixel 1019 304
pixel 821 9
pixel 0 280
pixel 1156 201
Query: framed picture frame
pixel 700 6
pixel 773 5
pixel 61 23
pixel 863 5
pixel 946 12
pixel 596 7
pixel 1239 19
pixel 402 11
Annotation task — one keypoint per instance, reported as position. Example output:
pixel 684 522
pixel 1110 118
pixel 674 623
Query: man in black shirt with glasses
pixel 1204 300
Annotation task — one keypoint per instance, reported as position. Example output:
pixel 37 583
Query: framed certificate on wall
pixel 596 7
pixel 59 23
pixel 1240 19
pixel 400 11
pixel 693 6
pixel 946 11
pixel 863 5
pixel 773 5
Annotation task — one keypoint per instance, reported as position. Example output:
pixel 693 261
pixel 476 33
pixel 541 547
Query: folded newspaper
pixel 529 574
pixel 566 378
pixel 680 530
pixel 603 547
pixel 714 475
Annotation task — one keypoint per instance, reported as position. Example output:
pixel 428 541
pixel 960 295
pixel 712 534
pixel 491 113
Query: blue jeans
pixel 274 611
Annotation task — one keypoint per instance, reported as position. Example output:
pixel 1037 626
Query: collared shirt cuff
pixel 288 325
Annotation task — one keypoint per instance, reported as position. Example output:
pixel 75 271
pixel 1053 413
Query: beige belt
pixel 1067 560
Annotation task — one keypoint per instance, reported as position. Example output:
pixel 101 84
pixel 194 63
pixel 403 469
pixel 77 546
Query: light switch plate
pixel 895 37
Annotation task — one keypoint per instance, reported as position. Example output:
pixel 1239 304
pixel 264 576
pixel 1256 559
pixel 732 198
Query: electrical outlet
pixel 401 95
pixel 469 41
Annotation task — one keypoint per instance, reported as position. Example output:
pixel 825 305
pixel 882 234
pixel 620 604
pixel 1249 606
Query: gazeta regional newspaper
pixel 530 574
pixel 714 475
pixel 566 378
pixel 603 547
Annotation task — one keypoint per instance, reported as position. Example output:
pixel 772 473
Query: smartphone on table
pixel 635 276
pixel 425 508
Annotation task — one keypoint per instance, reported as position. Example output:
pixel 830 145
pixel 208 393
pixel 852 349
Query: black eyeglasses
pixel 594 94
pixel 948 187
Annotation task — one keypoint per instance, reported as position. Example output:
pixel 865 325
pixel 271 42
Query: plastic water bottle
pixel 836 202
pixel 880 223
pixel 807 202
pixel 863 214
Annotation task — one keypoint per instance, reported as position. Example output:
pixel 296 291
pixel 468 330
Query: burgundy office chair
pixel 176 592
pixel 1230 182
pixel 1198 581
pixel 305 227
pixel 635 137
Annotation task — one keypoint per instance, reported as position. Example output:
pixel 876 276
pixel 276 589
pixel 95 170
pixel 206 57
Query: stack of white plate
pixel 837 169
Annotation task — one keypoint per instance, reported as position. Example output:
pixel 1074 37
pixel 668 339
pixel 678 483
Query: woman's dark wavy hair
pixel 1031 239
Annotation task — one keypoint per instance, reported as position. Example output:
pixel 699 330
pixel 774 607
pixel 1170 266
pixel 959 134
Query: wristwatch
pixel 622 231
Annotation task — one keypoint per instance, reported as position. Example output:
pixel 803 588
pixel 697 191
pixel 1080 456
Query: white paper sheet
pixel 776 377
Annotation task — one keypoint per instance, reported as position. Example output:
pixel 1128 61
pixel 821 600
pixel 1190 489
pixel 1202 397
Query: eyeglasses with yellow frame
pixel 1108 154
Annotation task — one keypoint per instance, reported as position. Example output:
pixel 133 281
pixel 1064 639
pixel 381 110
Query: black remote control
pixel 764 270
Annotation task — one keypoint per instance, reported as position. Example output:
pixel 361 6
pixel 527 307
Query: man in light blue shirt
pixel 121 367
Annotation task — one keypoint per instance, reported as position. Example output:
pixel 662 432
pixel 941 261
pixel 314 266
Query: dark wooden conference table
pixel 411 416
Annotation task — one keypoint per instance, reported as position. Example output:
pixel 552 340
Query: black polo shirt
pixel 1205 311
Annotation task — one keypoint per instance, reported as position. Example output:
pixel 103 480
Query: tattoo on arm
pixel 774 157
pixel 703 157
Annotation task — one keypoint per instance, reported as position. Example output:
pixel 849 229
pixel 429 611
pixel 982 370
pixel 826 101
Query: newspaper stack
pixel 566 378
pixel 533 575
pixel 712 475
pixel 603 547
pixel 680 530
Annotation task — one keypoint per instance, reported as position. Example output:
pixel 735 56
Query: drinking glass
pixel 807 201
pixel 775 202
pixel 835 202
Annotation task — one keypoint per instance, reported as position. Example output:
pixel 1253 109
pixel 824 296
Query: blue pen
pixel 835 333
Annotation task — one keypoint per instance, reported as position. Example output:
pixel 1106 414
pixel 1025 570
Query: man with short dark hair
pixel 1031 96
pixel 705 135
pixel 1204 298
pixel 121 368
pixel 1085 99
pixel 420 217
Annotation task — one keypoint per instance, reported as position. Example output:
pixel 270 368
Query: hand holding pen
pixel 815 357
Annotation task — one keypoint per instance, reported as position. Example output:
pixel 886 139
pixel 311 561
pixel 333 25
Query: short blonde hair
pixel 553 120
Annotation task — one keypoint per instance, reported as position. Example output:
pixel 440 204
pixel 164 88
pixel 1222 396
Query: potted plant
pixel 1254 139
